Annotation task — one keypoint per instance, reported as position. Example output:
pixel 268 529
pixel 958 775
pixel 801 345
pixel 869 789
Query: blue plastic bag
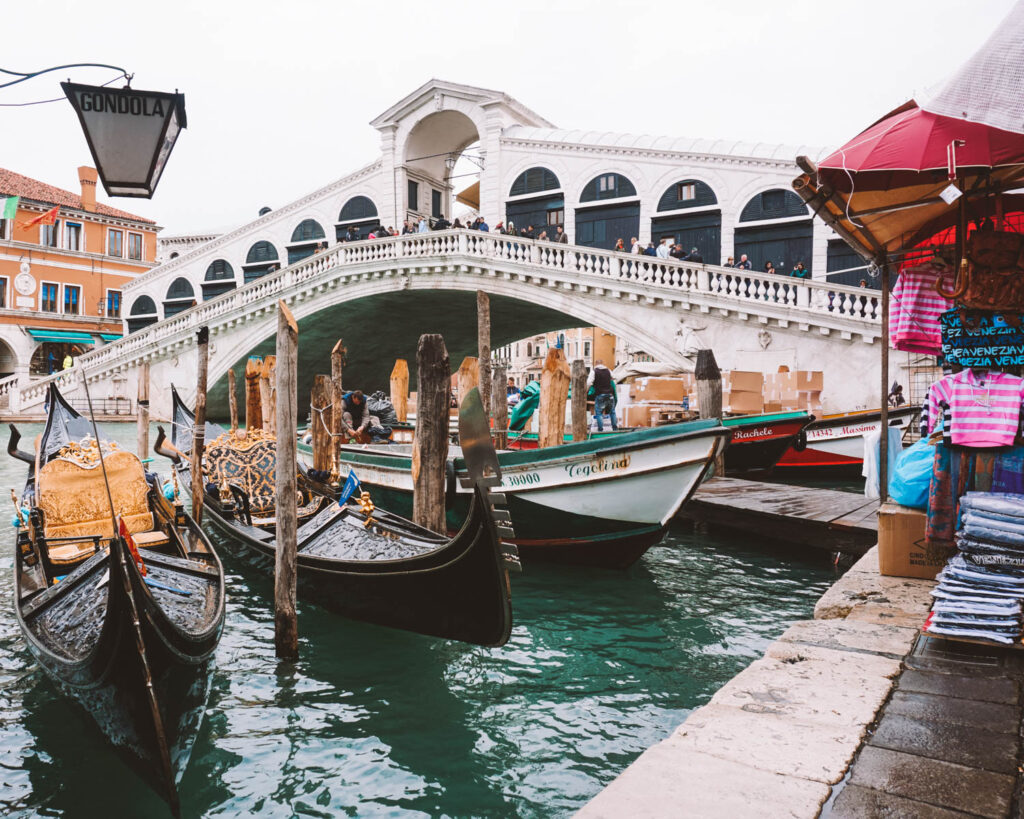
pixel 908 485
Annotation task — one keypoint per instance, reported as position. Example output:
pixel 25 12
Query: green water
pixel 372 722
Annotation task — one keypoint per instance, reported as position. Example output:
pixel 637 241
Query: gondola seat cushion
pixel 73 497
pixel 251 467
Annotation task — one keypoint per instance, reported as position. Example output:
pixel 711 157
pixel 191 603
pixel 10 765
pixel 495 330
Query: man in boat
pixel 355 419
pixel 600 379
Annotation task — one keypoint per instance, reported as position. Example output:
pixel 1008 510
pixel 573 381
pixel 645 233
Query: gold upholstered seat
pixel 73 498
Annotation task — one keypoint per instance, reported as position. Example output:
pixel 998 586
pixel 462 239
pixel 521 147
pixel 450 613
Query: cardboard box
pixel 901 546
pixel 741 381
pixel 742 401
pixel 772 406
pixel 809 380
pixel 659 389
pixel 636 415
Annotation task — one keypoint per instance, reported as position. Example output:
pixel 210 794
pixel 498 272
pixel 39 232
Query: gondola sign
pixel 130 133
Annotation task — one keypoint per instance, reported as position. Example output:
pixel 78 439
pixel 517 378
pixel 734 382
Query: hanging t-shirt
pixel 985 407
pixel 915 311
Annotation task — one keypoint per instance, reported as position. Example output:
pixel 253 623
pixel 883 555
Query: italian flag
pixel 9 207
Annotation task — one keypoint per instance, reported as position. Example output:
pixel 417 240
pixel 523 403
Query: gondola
pixel 125 625
pixel 356 560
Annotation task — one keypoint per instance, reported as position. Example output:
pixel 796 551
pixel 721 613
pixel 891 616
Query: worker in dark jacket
pixel 695 257
pixel 356 418
pixel 604 394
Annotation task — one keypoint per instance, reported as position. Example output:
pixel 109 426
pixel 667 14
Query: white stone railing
pixel 801 300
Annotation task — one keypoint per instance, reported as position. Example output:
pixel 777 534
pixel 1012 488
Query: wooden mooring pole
pixel 232 399
pixel 142 411
pixel 483 347
pixel 199 428
pixel 499 402
pixel 400 389
pixel 253 406
pixel 268 386
pixel 319 421
pixel 709 394
pixel 430 444
pixel 286 630
pixel 467 377
pixel 579 400
pixel 337 408
pixel 554 391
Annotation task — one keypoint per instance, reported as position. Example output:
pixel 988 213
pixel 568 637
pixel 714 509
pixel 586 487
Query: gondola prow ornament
pixel 130 133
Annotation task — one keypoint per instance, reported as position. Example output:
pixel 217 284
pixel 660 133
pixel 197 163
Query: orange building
pixel 61 283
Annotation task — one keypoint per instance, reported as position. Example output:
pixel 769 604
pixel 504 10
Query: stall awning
pixel 108 337
pixel 470 196
pixel 59 336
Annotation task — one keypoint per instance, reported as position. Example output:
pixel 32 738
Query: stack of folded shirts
pixel 977 603
pixel 981 589
pixel 992 533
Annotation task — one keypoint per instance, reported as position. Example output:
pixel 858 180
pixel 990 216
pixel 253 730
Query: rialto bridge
pixel 380 295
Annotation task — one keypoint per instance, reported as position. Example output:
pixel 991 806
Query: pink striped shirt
pixel 914 316
pixel 985 408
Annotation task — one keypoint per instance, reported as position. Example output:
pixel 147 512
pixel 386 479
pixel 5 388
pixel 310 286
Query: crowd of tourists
pixel 423 225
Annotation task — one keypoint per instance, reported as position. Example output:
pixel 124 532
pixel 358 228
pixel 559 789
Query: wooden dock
pixel 820 518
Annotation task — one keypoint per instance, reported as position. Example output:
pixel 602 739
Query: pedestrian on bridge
pixel 562 237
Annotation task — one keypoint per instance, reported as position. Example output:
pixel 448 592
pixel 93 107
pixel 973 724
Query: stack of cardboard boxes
pixel 647 398
pixel 742 392
pixel 797 390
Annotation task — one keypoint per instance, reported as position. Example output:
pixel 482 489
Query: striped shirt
pixel 984 409
pixel 915 311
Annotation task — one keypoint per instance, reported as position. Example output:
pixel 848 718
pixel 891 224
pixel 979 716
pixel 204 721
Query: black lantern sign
pixel 130 133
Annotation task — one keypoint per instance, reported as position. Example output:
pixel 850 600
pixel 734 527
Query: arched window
pixel 219 278
pixel 305 239
pixel 219 270
pixel 308 230
pixel 687 193
pixel 607 186
pixel 180 296
pixel 142 314
pixel 181 288
pixel 534 180
pixel 174 255
pixel 356 208
pixel 777 203
pixel 261 259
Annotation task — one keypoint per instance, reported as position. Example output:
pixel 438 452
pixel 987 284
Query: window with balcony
pixel 114 304
pixel 72 236
pixel 115 243
pixel 72 299
pixel 135 246
pixel 48 297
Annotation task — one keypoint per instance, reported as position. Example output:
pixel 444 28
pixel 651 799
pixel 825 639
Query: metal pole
pixel 883 444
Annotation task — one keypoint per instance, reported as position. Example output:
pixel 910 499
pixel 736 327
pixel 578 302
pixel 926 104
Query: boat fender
pixel 800 444
pixel 168 490
pixel 449 484
pixel 17 520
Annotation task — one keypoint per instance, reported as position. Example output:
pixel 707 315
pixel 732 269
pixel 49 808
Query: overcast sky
pixel 279 95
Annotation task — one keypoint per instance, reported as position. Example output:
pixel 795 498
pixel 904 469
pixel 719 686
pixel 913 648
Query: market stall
pixel 925 194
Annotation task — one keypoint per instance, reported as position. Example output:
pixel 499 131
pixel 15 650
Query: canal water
pixel 372 722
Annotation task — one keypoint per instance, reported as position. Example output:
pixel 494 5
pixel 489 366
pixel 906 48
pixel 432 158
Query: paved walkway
pixel 947 743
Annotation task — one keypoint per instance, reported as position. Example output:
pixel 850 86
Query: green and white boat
pixel 601 502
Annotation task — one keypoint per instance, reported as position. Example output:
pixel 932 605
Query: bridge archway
pixel 8 359
pixel 432 147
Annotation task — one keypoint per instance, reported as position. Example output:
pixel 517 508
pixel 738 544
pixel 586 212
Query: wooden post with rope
pixel 199 428
pixel 337 407
pixel 268 387
pixel 709 394
pixel 430 444
pixel 579 400
pixel 499 402
pixel 483 347
pixel 253 407
pixel 232 400
pixel 319 422
pixel 142 412
pixel 554 391
pixel 286 630
pixel 400 389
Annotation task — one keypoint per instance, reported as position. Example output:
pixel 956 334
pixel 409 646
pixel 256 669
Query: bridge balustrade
pixel 803 300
